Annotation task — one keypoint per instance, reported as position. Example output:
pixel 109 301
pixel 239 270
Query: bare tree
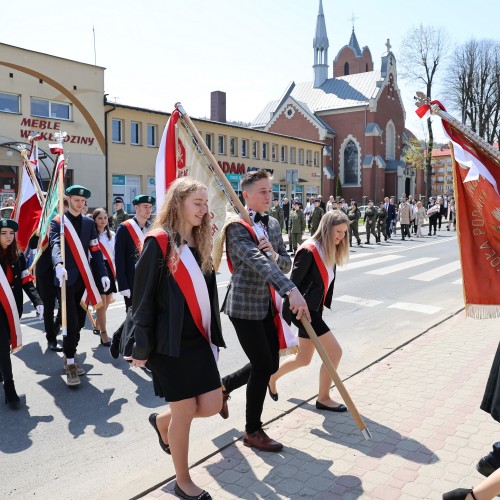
pixel 474 88
pixel 423 51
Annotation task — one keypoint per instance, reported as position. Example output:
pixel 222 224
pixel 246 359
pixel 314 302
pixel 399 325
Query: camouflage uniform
pixel 381 222
pixel 297 226
pixel 315 219
pixel 277 213
pixel 370 219
pixel 354 216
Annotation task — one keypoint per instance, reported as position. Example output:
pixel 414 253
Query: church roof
pixel 321 38
pixel 353 43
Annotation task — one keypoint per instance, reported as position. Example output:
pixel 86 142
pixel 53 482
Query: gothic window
pixel 390 141
pixel 346 68
pixel 351 163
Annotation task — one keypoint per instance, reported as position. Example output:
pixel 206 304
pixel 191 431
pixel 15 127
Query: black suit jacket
pixel 391 212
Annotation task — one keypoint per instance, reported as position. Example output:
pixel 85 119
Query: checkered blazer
pixel 248 294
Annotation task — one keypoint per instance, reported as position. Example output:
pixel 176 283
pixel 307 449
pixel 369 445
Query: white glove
pixel 125 293
pixel 39 311
pixel 105 283
pixel 61 273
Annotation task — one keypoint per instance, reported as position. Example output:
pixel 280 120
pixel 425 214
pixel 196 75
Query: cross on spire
pixel 388 45
pixel 352 19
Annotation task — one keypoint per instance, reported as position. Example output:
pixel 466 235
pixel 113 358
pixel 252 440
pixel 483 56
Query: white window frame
pixel 209 141
pixel 292 155
pixel 59 103
pixel 5 110
pixel 121 138
pixel 244 148
pixel 233 146
pixel 284 154
pixel 154 129
pixel 138 131
pixel 221 144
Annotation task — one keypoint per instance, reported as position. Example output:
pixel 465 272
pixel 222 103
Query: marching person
pixel 297 227
pixel 128 244
pixel 353 215
pixel 180 334
pixel 80 241
pixel 258 263
pixel 14 278
pixel 314 275
pixel 404 212
pixel 452 218
pixel 381 221
pixel 107 246
pixel 433 214
pixel 370 220
pixel 286 212
pixel 316 214
pixel 120 215
pixel 420 218
pixel 277 212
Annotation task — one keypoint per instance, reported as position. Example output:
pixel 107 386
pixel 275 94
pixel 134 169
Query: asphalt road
pixel 95 441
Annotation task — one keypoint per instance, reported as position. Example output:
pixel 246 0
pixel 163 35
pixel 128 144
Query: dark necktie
pixel 261 218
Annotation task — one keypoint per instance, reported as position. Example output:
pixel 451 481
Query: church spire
pixel 320 46
pixel 353 43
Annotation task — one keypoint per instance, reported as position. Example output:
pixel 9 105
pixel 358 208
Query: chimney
pixel 218 106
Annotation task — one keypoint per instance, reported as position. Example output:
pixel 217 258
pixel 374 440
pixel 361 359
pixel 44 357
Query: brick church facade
pixel 358 114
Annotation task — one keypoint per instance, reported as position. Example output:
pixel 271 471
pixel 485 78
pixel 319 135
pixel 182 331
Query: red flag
pixel 27 211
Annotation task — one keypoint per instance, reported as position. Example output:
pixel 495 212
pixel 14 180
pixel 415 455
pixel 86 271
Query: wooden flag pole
pixel 309 329
pixel 64 320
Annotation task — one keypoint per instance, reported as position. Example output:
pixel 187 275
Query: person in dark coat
pixel 14 279
pixel 286 212
pixel 314 274
pixel 182 350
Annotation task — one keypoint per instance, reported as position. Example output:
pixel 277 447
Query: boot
pixel 11 397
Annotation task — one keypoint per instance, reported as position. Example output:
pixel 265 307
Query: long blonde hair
pixel 170 219
pixel 324 235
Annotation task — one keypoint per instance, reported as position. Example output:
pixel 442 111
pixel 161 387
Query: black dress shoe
pixel 152 421
pixel 11 397
pixel 484 467
pixel 204 495
pixel 114 349
pixel 273 395
pixel 54 346
pixel 338 409
pixel 459 494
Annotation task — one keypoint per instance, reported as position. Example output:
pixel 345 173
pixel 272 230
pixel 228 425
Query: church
pixel 357 113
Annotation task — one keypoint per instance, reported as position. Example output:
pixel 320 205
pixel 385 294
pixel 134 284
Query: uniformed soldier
pixel 128 242
pixel 381 221
pixel 354 215
pixel 74 269
pixel 316 215
pixel 370 220
pixel 277 212
pixel 297 226
pixel 120 215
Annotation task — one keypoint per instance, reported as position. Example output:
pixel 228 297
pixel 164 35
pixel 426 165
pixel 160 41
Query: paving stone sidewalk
pixel 421 405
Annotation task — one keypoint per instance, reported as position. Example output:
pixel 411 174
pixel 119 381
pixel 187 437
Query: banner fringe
pixel 482 311
pixel 289 350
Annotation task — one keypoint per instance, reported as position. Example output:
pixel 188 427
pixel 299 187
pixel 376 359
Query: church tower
pixel 320 46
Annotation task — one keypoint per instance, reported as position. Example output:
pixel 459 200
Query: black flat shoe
pixel 459 494
pixel 484 467
pixel 338 409
pixel 11 397
pixel 152 421
pixel 273 395
pixel 54 346
pixel 105 344
pixel 204 495
pixel 96 331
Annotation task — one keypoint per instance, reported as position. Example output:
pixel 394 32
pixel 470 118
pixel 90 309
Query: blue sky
pixel 163 51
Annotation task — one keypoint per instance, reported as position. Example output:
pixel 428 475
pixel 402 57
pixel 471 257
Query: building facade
pixel 442 172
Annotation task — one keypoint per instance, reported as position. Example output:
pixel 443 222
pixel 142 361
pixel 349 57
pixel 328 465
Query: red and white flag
pixel 178 156
pixel 28 210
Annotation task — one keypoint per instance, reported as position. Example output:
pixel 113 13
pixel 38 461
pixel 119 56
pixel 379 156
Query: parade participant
pixel 80 241
pixel 297 227
pixel 177 331
pixel 370 220
pixel 128 245
pixel 314 275
pixel 420 218
pixel 14 278
pixel 404 212
pixel 286 212
pixel 277 212
pixel 120 215
pixel 353 215
pixel 315 217
pixel 381 221
pixel 257 263
pixel 107 246
pixel 433 214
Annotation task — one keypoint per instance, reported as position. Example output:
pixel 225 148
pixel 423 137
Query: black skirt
pixel 317 323
pixel 112 288
pixel 491 398
pixel 193 373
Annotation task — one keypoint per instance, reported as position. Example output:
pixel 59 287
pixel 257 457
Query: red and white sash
pixel 91 294
pixel 105 252
pixel 191 281
pixel 288 339
pixel 327 273
pixel 10 307
pixel 135 232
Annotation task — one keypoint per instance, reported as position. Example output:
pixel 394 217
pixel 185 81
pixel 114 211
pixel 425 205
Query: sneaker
pixel 79 370
pixel 72 375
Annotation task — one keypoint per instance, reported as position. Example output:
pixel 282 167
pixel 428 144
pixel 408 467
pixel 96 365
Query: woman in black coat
pixel 314 274
pixel 15 278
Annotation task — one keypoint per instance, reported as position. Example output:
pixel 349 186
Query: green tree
pixel 338 188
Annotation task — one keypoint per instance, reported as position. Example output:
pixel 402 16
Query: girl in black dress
pixel 314 274
pixel 176 322
pixel 15 278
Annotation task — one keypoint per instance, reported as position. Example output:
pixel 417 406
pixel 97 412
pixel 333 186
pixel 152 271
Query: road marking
pixel 457 282
pixel 358 300
pixel 222 284
pixel 369 262
pixel 437 272
pixel 421 308
pixel 402 266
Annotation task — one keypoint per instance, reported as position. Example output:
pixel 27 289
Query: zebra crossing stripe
pixel 437 272
pixel 421 308
pixel 402 266
pixel 358 300
pixel 369 262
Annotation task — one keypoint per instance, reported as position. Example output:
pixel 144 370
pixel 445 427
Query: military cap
pixel 118 199
pixel 10 223
pixel 317 200
pixel 143 198
pixel 77 190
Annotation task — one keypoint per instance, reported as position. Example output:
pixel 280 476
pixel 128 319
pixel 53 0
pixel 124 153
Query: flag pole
pixel 309 329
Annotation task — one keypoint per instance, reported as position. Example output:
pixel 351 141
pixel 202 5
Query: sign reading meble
pixel 45 126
